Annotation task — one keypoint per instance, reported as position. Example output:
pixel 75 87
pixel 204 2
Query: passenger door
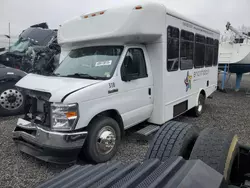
pixel 136 87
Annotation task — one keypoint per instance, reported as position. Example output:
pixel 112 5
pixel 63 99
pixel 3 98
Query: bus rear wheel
pixel 198 110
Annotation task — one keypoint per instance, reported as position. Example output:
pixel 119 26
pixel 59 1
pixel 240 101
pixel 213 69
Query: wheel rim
pixel 200 108
pixel 11 99
pixel 106 140
pixel 200 105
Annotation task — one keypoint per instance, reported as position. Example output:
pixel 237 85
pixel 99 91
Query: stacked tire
pixel 216 148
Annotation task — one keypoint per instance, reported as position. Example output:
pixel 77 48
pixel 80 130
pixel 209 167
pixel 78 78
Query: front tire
pixel 11 100
pixel 104 136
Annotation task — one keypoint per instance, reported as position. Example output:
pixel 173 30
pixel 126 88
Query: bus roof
pixel 139 21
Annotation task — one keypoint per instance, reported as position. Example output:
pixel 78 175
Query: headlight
pixel 64 116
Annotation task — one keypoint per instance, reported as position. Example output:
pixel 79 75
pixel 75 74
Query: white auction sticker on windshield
pixel 103 63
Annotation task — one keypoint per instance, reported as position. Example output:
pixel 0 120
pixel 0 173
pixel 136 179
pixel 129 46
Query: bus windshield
pixel 98 62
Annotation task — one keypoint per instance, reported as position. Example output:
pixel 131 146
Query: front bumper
pixel 55 147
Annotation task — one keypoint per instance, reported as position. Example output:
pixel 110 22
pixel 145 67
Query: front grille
pixel 37 110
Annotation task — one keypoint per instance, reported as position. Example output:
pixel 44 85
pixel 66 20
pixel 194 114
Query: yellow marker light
pixel 138 7
pixel 71 114
pixel 86 16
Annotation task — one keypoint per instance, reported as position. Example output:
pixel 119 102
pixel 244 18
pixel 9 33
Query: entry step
pixel 148 130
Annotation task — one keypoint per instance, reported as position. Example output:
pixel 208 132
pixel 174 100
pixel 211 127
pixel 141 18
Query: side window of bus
pixel 134 65
pixel 173 48
pixel 187 50
pixel 216 49
pixel 199 56
pixel 209 52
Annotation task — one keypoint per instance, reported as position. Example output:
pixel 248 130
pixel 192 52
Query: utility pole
pixel 9 35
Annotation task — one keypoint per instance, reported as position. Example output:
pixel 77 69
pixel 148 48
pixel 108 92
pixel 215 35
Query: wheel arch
pixel 203 92
pixel 112 113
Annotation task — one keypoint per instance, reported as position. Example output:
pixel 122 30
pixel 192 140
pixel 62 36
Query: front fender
pixel 89 109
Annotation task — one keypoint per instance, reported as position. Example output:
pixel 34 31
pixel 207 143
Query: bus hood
pixel 58 87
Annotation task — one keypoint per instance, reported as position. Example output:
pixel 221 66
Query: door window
pixel 134 65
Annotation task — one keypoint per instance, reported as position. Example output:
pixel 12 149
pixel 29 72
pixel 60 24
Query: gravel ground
pixel 227 111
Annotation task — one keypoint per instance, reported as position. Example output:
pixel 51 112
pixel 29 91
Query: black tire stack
pixel 218 149
pixel 173 139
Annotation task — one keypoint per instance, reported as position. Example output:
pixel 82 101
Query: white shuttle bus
pixel 119 67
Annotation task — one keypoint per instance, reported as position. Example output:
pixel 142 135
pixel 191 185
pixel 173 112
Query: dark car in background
pixel 35 51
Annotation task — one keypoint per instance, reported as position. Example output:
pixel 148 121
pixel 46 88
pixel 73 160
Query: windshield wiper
pixel 80 75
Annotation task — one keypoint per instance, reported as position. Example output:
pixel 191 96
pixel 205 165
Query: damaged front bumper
pixel 55 147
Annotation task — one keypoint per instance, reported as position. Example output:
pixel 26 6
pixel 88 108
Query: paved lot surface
pixel 227 111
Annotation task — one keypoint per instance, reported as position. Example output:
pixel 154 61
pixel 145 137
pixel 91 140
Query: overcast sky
pixel 23 13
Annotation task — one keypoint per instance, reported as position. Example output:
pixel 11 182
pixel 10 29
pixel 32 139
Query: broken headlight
pixel 63 116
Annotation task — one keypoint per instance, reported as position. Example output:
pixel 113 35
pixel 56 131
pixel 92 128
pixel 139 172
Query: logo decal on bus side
pixel 187 81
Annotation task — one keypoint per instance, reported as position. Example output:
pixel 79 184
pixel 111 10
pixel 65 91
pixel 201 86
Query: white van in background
pixel 121 66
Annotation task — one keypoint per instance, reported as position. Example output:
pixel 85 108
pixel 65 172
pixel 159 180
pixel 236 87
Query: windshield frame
pixel 122 47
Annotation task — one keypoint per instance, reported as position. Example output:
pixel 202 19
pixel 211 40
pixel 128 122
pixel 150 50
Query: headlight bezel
pixel 59 111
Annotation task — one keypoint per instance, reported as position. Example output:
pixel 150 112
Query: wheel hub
pixel 11 99
pixel 106 140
